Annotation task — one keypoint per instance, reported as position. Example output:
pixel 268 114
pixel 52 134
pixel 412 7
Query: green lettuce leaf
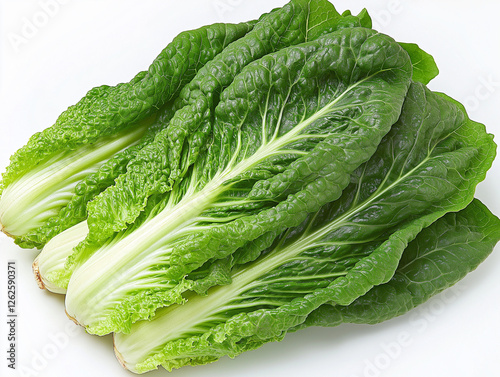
pixel 185 138
pixel 438 258
pixel 106 110
pixel 147 172
pixel 143 170
pixel 424 65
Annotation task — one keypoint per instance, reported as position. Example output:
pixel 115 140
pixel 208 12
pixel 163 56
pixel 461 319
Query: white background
pixel 80 45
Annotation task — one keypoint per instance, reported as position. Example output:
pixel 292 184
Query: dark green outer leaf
pixel 424 66
pixel 440 256
pixel 466 153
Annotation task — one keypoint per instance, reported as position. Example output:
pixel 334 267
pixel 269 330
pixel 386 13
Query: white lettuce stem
pixel 51 260
pixel 40 193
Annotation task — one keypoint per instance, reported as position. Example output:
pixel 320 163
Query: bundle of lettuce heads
pixel 257 179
